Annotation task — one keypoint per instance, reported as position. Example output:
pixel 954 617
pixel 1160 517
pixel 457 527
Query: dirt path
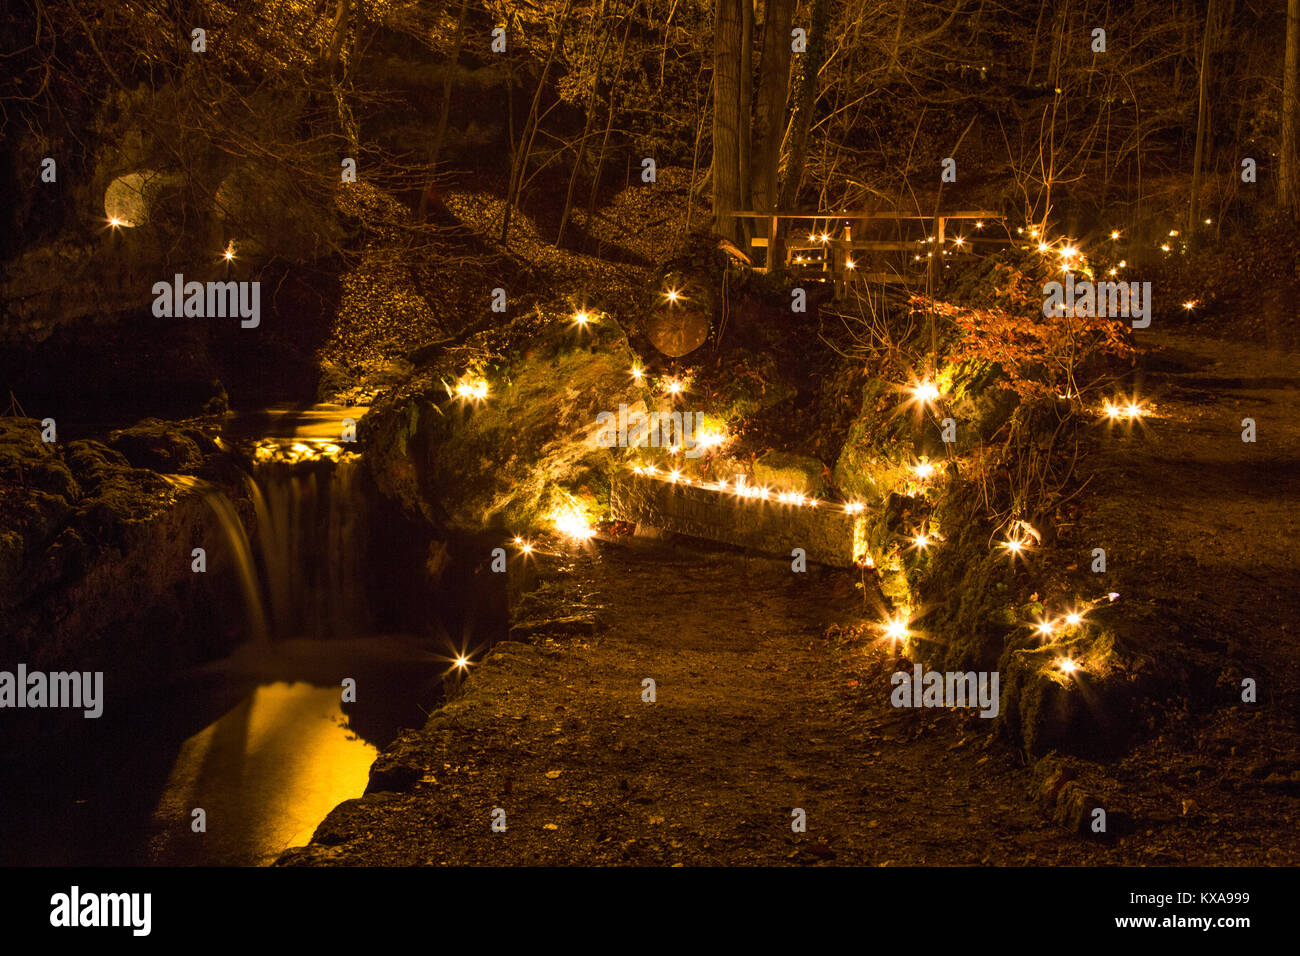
pixel 1202 532
pixel 760 710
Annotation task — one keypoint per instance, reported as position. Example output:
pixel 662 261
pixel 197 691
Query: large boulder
pixel 509 460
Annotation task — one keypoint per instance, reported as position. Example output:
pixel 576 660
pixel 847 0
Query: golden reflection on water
pixel 266 773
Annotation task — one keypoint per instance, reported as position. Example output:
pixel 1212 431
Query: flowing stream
pixel 234 761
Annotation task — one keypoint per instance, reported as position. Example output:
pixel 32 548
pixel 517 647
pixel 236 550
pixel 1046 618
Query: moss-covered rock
pixel 528 449
pixel 160 446
pixel 783 471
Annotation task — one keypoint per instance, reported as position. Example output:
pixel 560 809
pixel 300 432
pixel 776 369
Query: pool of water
pixel 261 742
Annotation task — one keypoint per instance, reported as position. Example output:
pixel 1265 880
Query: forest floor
pixel 763 706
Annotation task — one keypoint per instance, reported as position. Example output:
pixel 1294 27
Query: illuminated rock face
pixel 507 461
pixel 824 532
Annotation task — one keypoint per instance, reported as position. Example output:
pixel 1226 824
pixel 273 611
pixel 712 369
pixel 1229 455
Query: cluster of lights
pixel 1117 410
pixel 742 490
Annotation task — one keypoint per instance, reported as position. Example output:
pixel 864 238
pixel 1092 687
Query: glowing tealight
pixel 1114 233
pixel 1067 665
pixel 923 470
pixel 571 523
pixel 959 240
pixel 229 254
pixel 672 295
pixel 637 372
pixel 1045 628
pixel 850 264
pixel 1191 304
pixel 581 318
pixel 673 386
pixel 896 628
pixel 1014 546
pixel 925 392
pixel 710 438
pixel 1073 618
pixel 1043 247
pixel 921 541
pixel 461 662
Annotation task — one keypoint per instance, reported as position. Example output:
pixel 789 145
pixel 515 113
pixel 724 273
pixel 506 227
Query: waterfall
pixel 311 541
pixel 302 574
pixel 241 550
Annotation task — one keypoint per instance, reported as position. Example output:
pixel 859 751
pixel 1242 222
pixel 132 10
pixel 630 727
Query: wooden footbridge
pixel 851 248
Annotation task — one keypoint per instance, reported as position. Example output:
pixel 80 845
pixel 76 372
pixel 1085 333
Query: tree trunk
pixel 746 107
pixel 338 34
pixel 1202 121
pixel 726 115
pixel 809 66
pixel 1288 181
pixel 773 91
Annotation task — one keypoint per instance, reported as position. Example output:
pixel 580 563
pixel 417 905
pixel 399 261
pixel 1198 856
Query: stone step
pixel 825 531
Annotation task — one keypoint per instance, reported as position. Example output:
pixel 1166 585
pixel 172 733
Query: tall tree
pixel 1288 180
pixel 769 127
pixel 727 116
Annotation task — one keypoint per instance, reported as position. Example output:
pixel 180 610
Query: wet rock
pixel 583 625
pixel 160 446
pixel 399 768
